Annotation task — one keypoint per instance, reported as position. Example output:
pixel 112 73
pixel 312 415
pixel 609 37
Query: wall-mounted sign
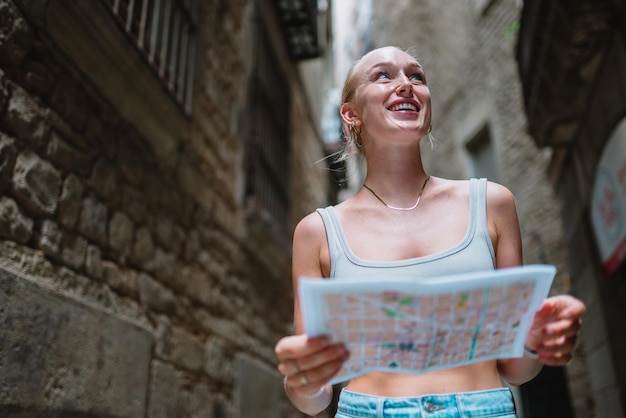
pixel 608 201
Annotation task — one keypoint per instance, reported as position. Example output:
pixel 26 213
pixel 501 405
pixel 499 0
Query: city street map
pixel 411 325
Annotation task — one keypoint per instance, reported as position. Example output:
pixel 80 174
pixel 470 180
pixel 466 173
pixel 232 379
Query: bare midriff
pixel 473 377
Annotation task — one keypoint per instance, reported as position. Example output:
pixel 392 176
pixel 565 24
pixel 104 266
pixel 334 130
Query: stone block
pixel 70 201
pixel 50 239
pixel 123 281
pixel 143 247
pixel 103 179
pixel 192 245
pixel 92 221
pixel 15 37
pixel 165 388
pixel 198 401
pixel 13 223
pixel 175 394
pixel 166 267
pixel 154 295
pixel 25 119
pixel 37 184
pixel 221 326
pixel 187 351
pixel 227 216
pixel 93 261
pixel 121 229
pixel 170 235
pixel 217 363
pixel 69 358
pixel 8 154
pixel 163 331
pixel 258 388
pixel 192 181
pixel 4 91
pixel 74 250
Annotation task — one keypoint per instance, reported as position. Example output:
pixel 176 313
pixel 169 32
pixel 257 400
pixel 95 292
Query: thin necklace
pixel 419 196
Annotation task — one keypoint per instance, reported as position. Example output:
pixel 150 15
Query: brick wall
pixel 132 281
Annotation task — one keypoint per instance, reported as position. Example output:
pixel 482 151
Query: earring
pixel 431 138
pixel 355 134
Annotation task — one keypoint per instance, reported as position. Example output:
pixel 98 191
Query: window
pixel 267 148
pixel 482 161
pixel 164 33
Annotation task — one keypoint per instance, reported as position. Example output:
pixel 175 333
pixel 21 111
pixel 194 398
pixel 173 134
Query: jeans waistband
pixel 491 402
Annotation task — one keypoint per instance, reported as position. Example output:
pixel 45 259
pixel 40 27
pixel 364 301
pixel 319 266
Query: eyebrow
pixel 385 63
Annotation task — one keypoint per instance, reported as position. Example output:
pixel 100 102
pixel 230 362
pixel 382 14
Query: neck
pixel 398 176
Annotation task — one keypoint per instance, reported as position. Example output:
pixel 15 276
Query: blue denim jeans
pixel 484 403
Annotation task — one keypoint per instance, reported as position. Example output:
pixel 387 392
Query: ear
pixel 349 115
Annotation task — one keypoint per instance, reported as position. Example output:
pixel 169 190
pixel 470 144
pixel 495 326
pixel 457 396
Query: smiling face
pixel 385 93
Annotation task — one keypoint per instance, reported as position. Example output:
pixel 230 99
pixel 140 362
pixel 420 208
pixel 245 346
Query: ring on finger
pixel 304 379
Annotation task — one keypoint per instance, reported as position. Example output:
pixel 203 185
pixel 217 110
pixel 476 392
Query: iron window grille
pixel 164 32
pixel 298 19
pixel 267 149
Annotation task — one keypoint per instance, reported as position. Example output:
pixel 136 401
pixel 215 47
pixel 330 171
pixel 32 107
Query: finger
pixel 326 371
pixel 570 307
pixel 297 346
pixel 544 314
pixel 322 357
pixel 556 360
pixel 566 308
pixel 558 345
pixel 561 307
pixel 567 327
pixel 316 377
pixel 289 367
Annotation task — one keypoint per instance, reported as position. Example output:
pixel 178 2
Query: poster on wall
pixel 608 201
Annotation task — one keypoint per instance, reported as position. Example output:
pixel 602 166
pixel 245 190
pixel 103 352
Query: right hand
pixel 308 363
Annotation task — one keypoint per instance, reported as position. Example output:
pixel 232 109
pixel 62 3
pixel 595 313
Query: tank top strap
pixel 331 223
pixel 478 190
pixel 478 193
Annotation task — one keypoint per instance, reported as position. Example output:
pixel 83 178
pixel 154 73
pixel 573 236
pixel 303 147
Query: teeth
pixel 403 106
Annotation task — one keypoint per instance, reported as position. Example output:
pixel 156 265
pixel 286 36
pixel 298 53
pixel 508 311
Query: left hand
pixel 555 329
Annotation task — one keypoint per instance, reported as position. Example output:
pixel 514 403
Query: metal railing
pixel 164 31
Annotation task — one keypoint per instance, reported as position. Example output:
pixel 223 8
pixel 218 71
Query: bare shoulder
pixel 310 251
pixel 450 188
pixel 504 225
pixel 499 197
pixel 310 229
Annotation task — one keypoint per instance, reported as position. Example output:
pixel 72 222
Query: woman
pixel 404 221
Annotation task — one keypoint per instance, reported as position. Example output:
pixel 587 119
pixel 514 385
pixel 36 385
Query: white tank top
pixel 474 253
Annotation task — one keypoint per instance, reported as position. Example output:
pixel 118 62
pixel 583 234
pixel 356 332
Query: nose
pixel 404 86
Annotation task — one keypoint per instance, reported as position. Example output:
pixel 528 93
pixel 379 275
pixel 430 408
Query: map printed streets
pixel 418 325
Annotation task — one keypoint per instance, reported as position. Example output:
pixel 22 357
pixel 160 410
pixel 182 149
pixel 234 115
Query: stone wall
pixel 132 281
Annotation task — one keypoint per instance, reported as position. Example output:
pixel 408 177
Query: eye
pixel 382 75
pixel 417 77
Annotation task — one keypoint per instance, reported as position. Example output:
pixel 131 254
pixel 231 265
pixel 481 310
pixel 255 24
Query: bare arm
pixel 308 363
pixel 506 237
pixel 555 326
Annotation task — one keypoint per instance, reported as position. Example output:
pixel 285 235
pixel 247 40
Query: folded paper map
pixel 411 325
